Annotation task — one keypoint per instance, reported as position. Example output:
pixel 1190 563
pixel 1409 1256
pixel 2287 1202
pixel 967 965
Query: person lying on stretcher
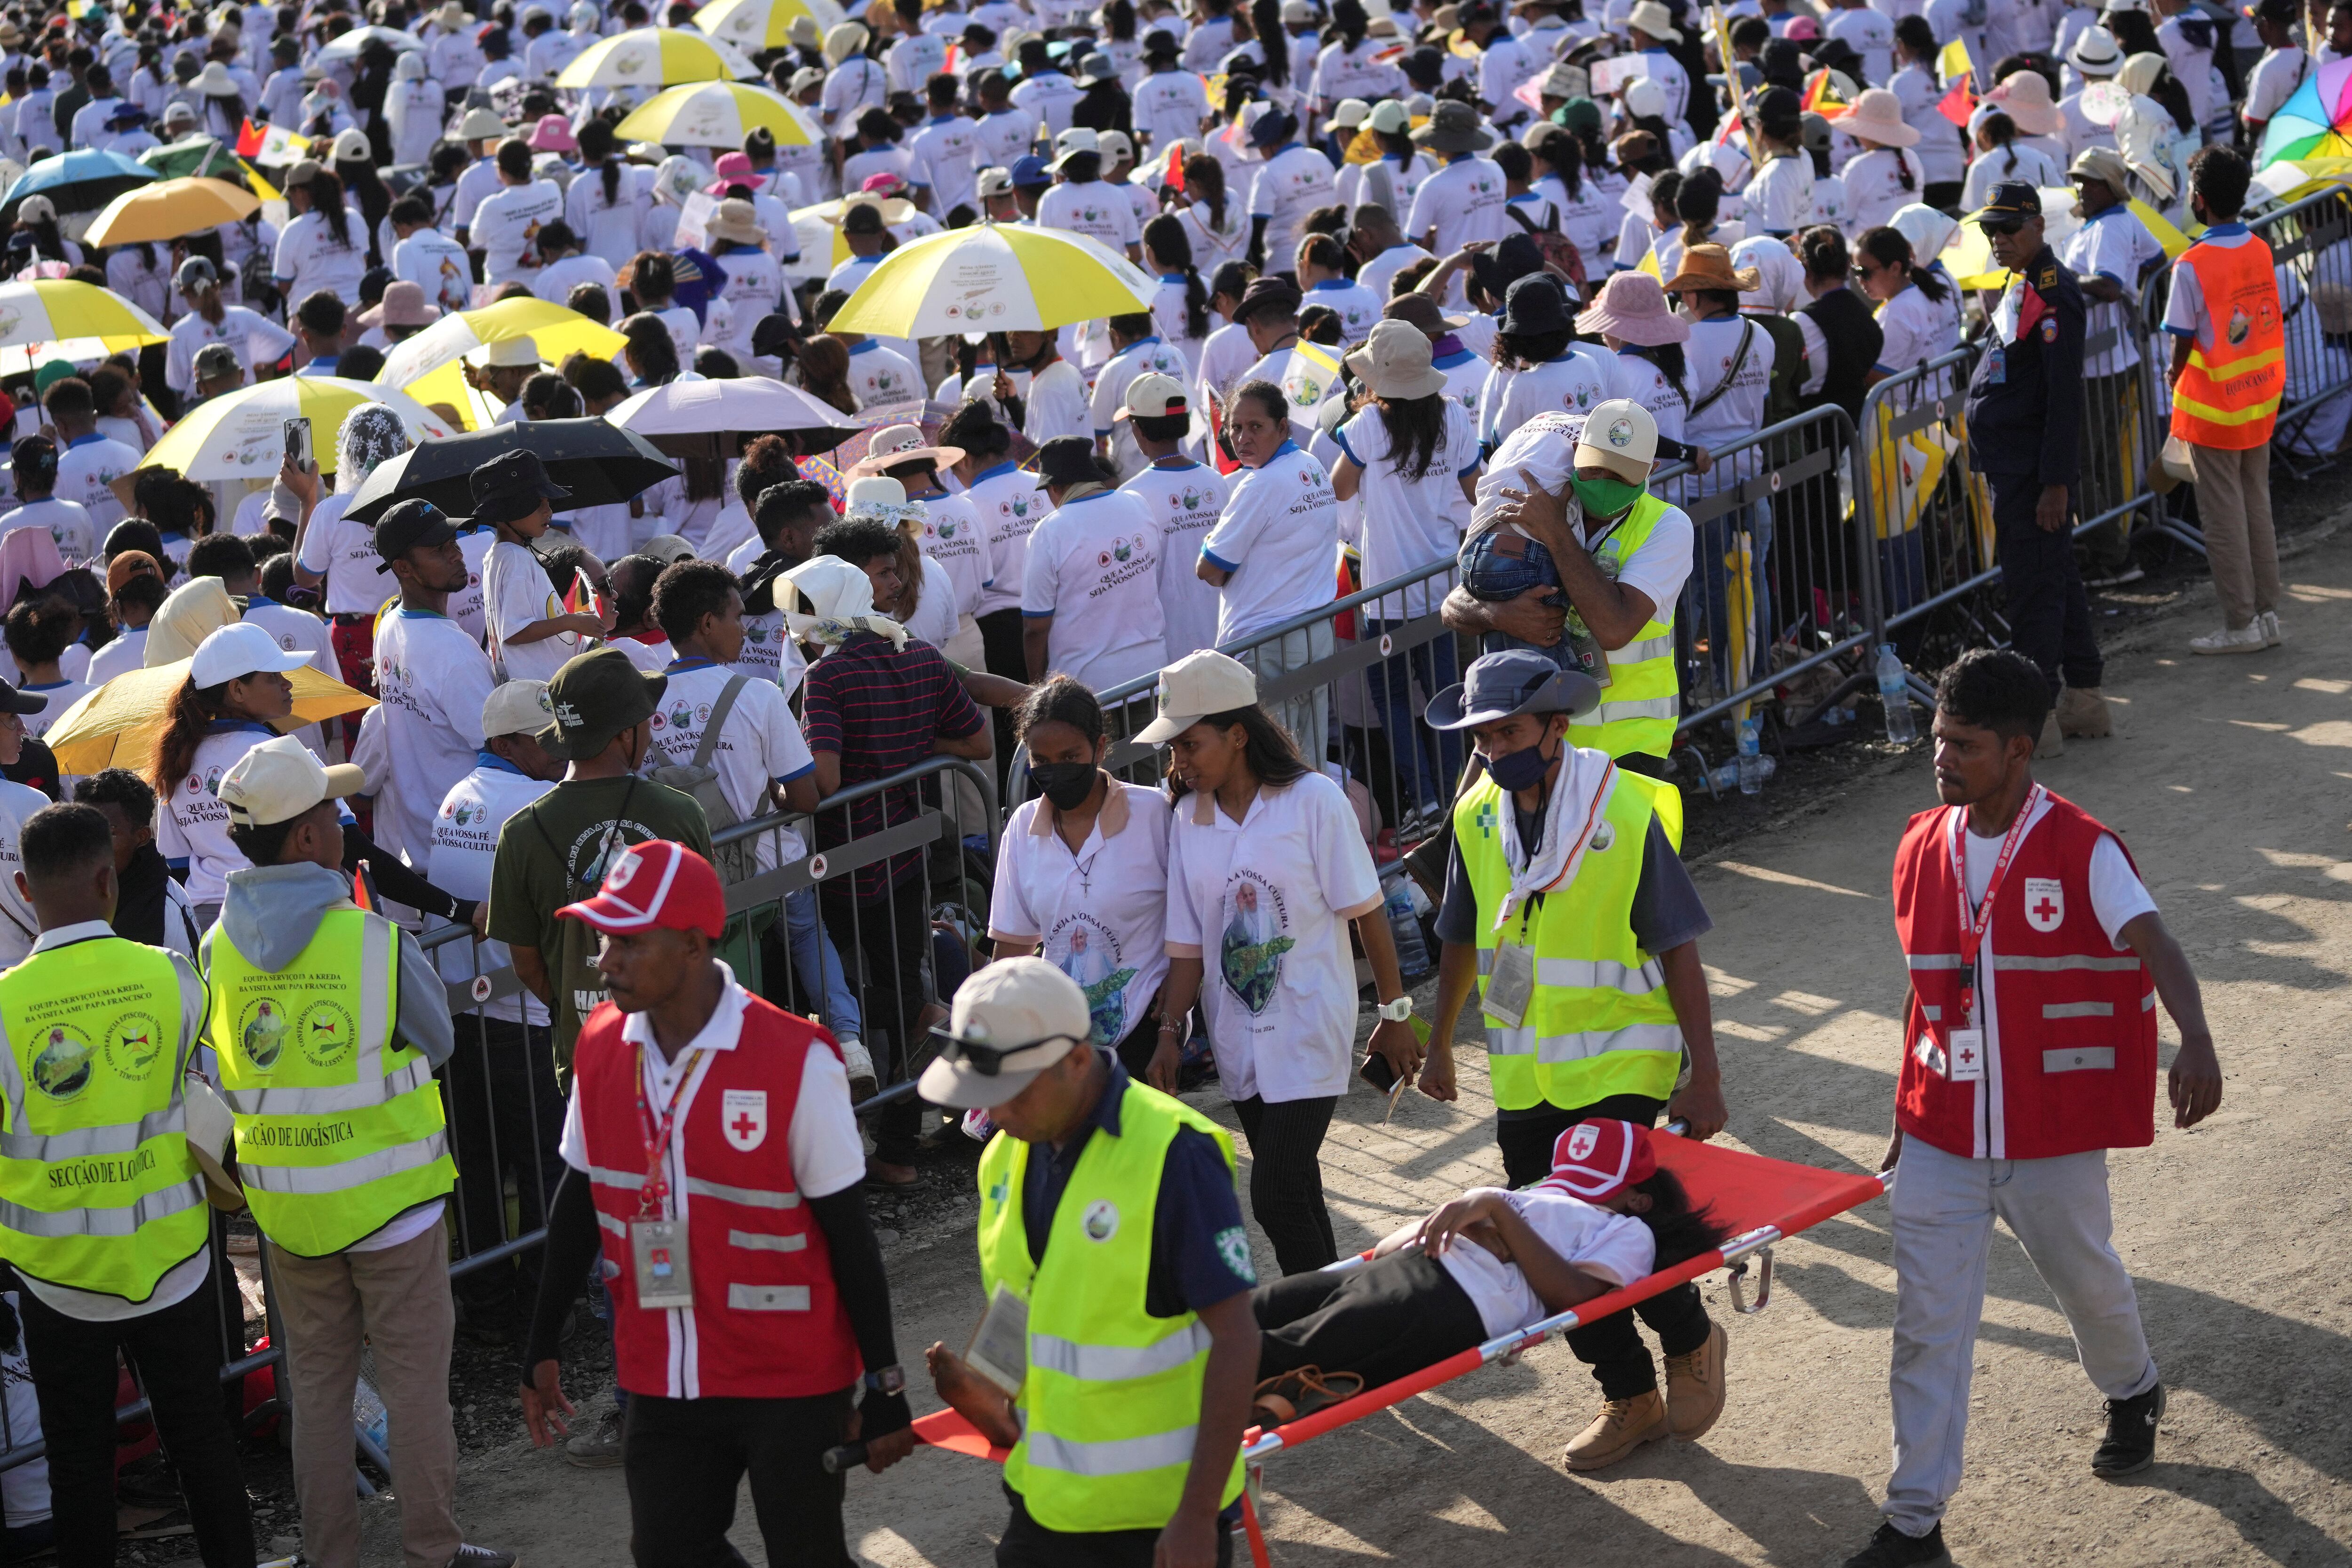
pixel 1481 1266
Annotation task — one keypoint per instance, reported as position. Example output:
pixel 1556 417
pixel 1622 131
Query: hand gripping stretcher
pixel 1762 1201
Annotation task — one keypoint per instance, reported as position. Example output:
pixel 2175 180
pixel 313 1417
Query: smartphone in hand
pixel 298 446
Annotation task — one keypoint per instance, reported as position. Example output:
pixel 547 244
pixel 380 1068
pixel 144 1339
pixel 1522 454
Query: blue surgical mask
pixel 1520 770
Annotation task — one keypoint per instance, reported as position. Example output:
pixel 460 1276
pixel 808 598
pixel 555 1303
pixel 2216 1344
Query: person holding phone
pixel 1267 870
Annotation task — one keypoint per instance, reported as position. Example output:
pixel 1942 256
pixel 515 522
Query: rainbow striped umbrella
pixel 2316 119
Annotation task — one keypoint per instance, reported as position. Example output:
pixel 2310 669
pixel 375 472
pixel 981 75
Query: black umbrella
pixel 599 463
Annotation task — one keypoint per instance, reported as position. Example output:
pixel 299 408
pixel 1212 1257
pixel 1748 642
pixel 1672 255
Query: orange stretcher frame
pixel 1762 1201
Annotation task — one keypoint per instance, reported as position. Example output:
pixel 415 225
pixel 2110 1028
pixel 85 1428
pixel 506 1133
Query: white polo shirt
pixel 191 828
pixel 1098 915
pixel 1093 566
pixel 1185 499
pixel 1263 902
pixel 1616 1247
pixel 1279 539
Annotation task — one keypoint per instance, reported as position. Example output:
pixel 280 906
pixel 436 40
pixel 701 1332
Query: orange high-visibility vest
pixel 2229 395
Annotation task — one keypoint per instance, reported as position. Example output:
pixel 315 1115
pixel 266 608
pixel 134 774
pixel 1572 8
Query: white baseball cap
pixel 231 652
pixel 1622 437
pixel 1154 396
pixel 506 354
pixel 279 780
pixel 1196 685
pixel 518 707
pixel 1010 1022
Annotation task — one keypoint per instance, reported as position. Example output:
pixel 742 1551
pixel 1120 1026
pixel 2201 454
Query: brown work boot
pixel 2083 713
pixel 1694 1387
pixel 2053 739
pixel 1623 1425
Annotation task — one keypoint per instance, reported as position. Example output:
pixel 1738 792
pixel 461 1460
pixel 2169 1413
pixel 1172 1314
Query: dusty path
pixel 2230 791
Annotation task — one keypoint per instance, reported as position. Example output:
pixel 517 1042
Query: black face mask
pixel 1066 784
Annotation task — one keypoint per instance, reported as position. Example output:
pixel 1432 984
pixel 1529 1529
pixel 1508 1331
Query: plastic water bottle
pixel 1413 953
pixel 1751 757
pixel 369 1414
pixel 1895 696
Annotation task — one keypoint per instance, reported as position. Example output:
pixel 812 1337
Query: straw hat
pixel 1707 267
pixel 1395 362
pixel 2024 97
pixel 2096 54
pixel 482 125
pixel 842 40
pixel 1877 116
pixel 2106 165
pixel 736 219
pixel 1633 307
pixel 213 81
pixel 1655 19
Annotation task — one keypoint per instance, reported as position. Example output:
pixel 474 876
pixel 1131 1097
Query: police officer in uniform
pixel 1118 1275
pixel 2025 435
pixel 1566 903
pixel 102 1210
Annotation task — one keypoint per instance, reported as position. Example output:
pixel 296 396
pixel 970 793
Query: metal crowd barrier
pixel 2315 269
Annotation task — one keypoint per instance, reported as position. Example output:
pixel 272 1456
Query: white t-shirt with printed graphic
pixel 953 537
pixel 506 229
pixel 1279 539
pixel 191 828
pixel 1099 211
pixel 1008 502
pixel 343 552
pixel 761 743
pixel 1409 524
pixel 433 680
pixel 85 469
pixel 1186 501
pixel 1098 915
pixel 880 374
pixel 1613 1246
pixel 1093 566
pixel 1263 902
pixel 515 592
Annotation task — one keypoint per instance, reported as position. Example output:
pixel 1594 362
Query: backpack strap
pixel 718 712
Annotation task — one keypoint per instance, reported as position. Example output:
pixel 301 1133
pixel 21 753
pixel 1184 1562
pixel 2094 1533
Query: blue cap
pixel 1512 681
pixel 1030 172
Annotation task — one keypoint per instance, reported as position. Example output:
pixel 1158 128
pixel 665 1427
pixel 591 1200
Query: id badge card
pixel 999 1350
pixel 1512 985
pixel 1964 1055
pixel 1996 365
pixel 665 1276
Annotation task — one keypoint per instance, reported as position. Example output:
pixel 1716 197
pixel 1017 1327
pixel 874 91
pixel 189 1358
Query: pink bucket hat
pixel 1633 307
pixel 553 134
pixel 734 169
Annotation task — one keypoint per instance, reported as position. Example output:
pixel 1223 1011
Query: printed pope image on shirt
pixel 1249 954
pixel 264 1034
pixel 62 1068
pixel 1085 949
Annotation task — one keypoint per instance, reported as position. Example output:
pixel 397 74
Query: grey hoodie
pixel 272 911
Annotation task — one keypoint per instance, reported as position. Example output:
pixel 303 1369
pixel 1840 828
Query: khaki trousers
pixel 398 1302
pixel 2233 506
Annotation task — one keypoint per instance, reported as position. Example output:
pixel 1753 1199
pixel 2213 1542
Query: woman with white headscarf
pixel 413 110
pixel 2150 134
pixel 330 548
pixel 677 179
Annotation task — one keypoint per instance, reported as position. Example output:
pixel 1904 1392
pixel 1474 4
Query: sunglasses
pixel 987 1060
pixel 2010 227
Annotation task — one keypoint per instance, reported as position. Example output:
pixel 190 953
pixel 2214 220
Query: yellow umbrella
pixel 717 115
pixel 428 367
pixel 242 434
pixel 656 57
pixel 116 725
pixel 994 278
pixel 756 24
pixel 56 318
pixel 169 209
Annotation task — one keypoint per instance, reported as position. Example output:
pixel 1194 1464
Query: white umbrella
pixel 241 435
pixel 751 404
pixel 346 48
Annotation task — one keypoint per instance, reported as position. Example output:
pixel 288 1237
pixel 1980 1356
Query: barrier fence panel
pixel 2309 247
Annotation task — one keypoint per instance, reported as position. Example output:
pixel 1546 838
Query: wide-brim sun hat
pixel 1877 117
pixel 1507 683
pixel 1395 363
pixel 1633 307
pixel 2024 97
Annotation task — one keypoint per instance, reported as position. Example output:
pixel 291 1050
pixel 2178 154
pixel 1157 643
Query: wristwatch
pixel 890 1380
pixel 1398 1011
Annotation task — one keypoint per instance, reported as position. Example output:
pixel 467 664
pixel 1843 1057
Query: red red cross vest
pixel 2071 1056
pixel 767 1322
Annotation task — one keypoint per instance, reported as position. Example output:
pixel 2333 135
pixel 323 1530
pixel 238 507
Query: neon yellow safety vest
pixel 99 1190
pixel 1113 1394
pixel 339 1130
pixel 1642 701
pixel 1599 1022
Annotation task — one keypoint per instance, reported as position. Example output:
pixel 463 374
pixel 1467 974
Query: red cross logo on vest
pixel 743 1114
pixel 2045 903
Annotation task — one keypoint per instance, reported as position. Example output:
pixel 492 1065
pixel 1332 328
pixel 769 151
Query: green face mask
pixel 1606 498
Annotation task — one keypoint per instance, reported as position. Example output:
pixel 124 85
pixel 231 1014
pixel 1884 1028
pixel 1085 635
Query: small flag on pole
pixel 1954 63
pixel 1821 98
pixel 1172 178
pixel 1959 103
pixel 583 600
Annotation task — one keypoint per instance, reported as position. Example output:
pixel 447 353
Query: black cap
pixel 1266 294
pixel 1273 127
pixel 773 336
pixel 1775 105
pixel 406 526
pixel 511 485
pixel 2282 12
pixel 1535 305
pixel 594 696
pixel 1836 54
pixel 1160 43
pixel 15 701
pixel 1424 68
pixel 1509 260
pixel 2010 203
pixel 1068 460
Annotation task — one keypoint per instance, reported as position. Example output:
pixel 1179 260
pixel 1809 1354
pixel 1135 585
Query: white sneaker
pixel 2271 634
pixel 860 1062
pixel 2248 638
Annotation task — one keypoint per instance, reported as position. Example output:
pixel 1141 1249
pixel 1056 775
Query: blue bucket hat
pixel 1505 684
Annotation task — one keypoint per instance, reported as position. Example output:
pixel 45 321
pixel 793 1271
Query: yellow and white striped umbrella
pixel 717 115
pixel 755 25
pixel 994 278
pixel 657 57
pixel 427 366
pixel 56 318
pixel 242 434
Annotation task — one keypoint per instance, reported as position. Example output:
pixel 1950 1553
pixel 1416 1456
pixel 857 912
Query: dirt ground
pixel 2229 791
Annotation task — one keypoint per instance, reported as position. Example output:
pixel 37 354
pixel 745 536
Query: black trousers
pixel 1008 655
pixel 1286 1142
pixel 1611 1347
pixel 684 1458
pixel 506 1119
pixel 889 940
pixel 175 1353
pixel 2049 612
pixel 1136 1050
pixel 1029 1544
pixel 1394 1315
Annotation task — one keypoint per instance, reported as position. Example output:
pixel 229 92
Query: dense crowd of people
pixel 1422 298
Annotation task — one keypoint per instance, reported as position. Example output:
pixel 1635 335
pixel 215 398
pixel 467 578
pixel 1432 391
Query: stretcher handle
pixel 847 1457
pixel 1679 1127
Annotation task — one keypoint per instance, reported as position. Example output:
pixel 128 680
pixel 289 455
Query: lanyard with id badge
pixel 1512 985
pixel 661 1264
pixel 1965 1045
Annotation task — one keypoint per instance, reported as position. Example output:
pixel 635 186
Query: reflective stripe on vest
pixel 99 1190
pixel 2227 396
pixel 338 1128
pixel 1600 1021
pixel 1642 703
pixel 1112 1399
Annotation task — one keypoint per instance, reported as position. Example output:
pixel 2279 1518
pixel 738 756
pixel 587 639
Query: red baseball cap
pixel 655 886
pixel 1599 1158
